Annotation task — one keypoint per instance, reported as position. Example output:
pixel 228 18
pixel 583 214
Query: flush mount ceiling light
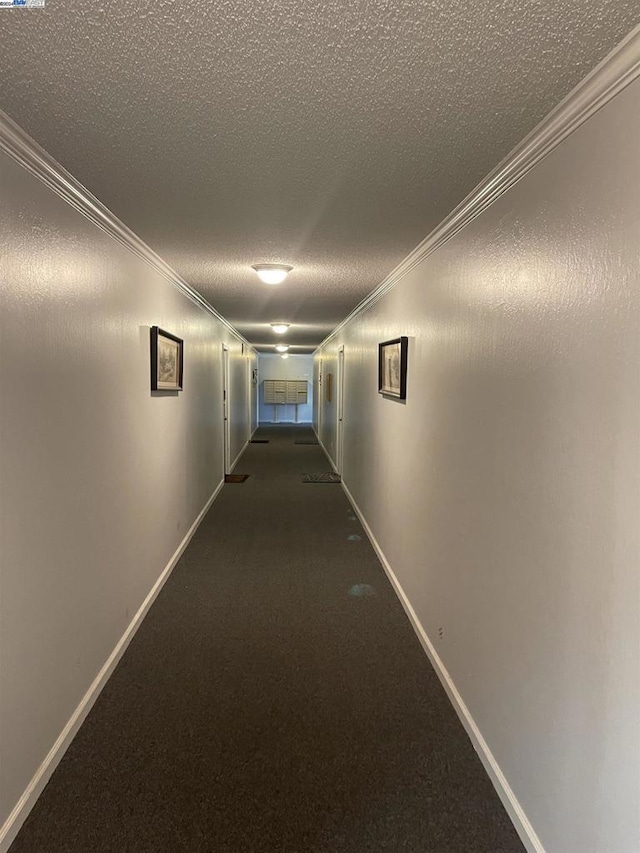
pixel 282 348
pixel 280 328
pixel 272 273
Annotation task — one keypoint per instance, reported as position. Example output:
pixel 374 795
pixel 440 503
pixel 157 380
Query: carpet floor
pixel 275 700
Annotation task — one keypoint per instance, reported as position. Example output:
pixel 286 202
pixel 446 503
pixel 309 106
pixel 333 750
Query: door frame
pixel 249 396
pixel 320 400
pixel 340 412
pixel 226 442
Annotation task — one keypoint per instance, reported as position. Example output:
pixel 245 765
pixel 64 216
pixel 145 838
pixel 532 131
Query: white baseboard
pixel 287 423
pixel 233 465
pixel 27 801
pixel 509 800
pixel 326 453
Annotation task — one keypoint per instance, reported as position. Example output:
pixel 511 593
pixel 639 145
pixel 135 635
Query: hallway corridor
pixel 274 700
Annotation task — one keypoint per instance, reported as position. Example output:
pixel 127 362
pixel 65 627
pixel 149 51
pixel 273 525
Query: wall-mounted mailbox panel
pixel 279 392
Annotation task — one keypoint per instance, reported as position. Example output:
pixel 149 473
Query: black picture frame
pixel 167 360
pixel 392 368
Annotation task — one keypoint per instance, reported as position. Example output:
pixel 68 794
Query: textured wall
pixel 505 493
pixel 99 480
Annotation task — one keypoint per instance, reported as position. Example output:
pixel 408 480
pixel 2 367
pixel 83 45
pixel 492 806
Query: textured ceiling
pixel 331 136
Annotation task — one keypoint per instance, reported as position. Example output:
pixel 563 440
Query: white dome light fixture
pixel 282 348
pixel 285 355
pixel 272 273
pixel 280 328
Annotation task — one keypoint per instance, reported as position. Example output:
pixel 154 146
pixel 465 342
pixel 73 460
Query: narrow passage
pixel 275 699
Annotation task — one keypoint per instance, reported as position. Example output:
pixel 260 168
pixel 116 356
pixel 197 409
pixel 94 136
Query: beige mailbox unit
pixel 285 392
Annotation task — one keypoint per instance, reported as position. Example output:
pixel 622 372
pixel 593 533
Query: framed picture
pixel 392 368
pixel 329 387
pixel 166 361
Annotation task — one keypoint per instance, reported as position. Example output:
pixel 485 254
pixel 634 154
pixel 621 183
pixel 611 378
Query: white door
pixel 225 408
pixel 249 393
pixel 340 422
pixel 320 400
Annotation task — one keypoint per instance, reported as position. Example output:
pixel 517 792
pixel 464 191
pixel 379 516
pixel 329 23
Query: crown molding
pixel 32 157
pixel 616 71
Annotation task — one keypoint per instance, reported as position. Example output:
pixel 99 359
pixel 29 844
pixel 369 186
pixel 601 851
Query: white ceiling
pixel 331 136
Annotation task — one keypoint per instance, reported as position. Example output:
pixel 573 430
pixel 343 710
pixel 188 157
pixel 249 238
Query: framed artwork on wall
pixel 392 368
pixel 166 361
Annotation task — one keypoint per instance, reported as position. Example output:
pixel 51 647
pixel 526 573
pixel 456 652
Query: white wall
pixel 505 492
pixel 326 411
pixel 100 480
pixel 295 367
pixel 242 396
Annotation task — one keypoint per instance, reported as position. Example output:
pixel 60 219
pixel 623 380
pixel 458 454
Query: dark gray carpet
pixel 275 700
